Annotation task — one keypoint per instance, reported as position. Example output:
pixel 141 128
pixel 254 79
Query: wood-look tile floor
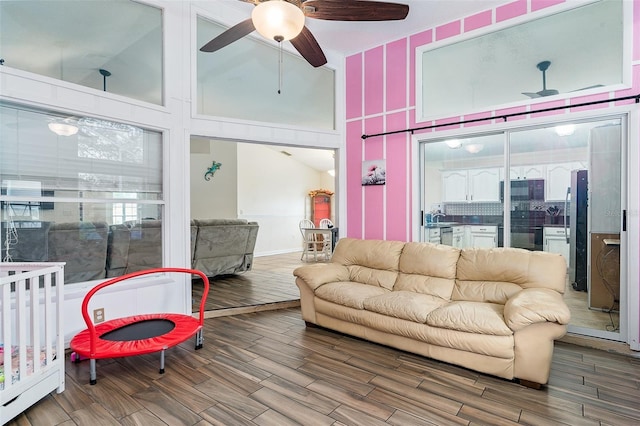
pixel 269 281
pixel 267 368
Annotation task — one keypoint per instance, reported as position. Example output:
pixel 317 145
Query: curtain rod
pixel 504 117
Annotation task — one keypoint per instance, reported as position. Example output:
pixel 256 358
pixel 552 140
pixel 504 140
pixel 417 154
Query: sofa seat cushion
pixel 348 294
pixel 484 344
pixel 471 317
pixel 404 305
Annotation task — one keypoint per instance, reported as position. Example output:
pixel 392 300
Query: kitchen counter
pixel 442 224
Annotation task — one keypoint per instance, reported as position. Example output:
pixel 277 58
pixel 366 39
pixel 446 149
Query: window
pixel 506 66
pixel 80 194
pixel 110 45
pixel 241 81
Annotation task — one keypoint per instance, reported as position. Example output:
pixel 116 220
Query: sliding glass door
pixel 556 188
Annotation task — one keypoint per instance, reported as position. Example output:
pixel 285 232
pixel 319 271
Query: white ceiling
pixel 350 37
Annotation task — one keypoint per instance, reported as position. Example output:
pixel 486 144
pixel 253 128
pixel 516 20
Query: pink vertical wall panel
pixel 636 30
pixel 354 86
pixel 396 75
pixel 398 184
pixel 373 81
pixel 374 194
pixel 511 10
pixel 354 179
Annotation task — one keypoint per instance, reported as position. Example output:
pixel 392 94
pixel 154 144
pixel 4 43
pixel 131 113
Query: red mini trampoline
pixel 137 334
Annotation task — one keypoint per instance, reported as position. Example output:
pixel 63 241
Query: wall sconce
pixel 215 166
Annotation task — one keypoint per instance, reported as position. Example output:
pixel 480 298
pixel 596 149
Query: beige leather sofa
pixel 497 311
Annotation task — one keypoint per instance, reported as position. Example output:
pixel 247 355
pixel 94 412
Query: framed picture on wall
pixel 374 172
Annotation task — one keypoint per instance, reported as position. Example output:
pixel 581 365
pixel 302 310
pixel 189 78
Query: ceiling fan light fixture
pixel 474 148
pixel 278 20
pixel 63 128
pixel 453 143
pixel 565 130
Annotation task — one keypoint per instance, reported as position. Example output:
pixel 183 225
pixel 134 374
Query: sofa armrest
pixel 321 273
pixel 535 305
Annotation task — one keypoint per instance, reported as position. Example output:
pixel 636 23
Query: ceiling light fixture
pixel 63 128
pixel 332 172
pixel 474 148
pixel 565 130
pixel 278 20
pixel 453 143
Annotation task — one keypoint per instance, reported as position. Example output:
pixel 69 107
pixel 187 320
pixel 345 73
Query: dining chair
pixel 309 240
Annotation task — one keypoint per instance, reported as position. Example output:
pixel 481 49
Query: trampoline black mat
pixel 140 330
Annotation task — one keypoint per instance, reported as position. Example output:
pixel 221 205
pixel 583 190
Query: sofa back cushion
pixel 494 275
pixel 428 269
pixel 373 262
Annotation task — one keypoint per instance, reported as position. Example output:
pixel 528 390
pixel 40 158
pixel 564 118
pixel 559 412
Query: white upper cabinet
pixel 558 179
pixel 454 186
pixel 524 172
pixel 475 185
pixel 484 185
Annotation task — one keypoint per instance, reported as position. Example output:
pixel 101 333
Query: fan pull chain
pixel 280 68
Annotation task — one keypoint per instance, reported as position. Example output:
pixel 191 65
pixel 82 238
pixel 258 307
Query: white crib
pixel 31 334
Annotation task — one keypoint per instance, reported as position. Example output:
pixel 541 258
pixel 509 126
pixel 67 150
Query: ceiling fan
pixel 282 20
pixel 544 66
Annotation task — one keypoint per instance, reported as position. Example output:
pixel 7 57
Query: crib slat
pixel 6 332
pixel 34 310
pixel 21 314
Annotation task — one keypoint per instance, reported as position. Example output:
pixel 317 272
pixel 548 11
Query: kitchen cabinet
pixel 433 235
pixel 558 179
pixel 525 172
pixel 454 186
pixel 458 236
pixel 473 185
pixel 555 241
pixel 483 236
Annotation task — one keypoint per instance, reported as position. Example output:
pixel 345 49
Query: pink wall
pixel 380 96
pixel 380 84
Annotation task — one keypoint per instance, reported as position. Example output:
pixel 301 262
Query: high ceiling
pixel 349 37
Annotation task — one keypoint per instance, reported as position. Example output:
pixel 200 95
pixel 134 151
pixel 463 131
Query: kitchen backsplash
pixel 495 209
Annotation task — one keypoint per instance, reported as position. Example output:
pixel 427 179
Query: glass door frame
pixel 629 315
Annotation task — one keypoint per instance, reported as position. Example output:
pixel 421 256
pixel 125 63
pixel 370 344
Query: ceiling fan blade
pixel 354 10
pixel 307 45
pixel 232 34
pixel 588 87
pixel 532 95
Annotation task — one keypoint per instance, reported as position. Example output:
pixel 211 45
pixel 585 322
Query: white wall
pixel 272 190
pixel 216 198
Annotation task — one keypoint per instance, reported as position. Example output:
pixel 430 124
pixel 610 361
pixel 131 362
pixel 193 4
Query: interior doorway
pixel 266 184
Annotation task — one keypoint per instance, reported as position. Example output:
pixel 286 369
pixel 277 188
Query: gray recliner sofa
pixel 223 246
